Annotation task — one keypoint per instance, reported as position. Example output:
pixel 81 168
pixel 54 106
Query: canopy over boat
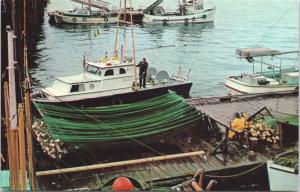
pixel 260 52
pixel 256 52
pixel 94 3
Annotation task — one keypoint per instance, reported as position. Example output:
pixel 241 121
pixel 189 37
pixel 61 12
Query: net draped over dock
pixel 118 122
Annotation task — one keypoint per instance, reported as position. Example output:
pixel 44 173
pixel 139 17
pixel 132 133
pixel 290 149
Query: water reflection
pixel 209 49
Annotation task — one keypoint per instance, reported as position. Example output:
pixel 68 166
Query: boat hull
pixel 201 17
pixel 282 178
pixel 236 87
pixel 60 18
pixel 181 89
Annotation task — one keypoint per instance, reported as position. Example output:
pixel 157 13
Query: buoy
pixel 122 184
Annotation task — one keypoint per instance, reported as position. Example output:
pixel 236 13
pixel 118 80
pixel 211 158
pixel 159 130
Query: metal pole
pixel 11 75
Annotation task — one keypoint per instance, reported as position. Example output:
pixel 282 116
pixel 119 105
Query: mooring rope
pixel 231 176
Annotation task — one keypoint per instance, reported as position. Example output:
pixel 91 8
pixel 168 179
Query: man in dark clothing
pixel 143 65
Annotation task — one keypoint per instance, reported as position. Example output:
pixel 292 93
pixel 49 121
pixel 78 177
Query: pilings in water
pixel 25 18
pixel 12 14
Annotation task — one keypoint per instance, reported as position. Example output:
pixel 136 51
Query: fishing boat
pixel 112 80
pixel 283 172
pixel 85 15
pixel 272 77
pixel 189 11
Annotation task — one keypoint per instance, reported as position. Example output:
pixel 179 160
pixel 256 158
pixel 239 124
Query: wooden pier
pixel 174 159
pixel 165 162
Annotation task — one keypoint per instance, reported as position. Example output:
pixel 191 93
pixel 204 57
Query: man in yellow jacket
pixel 237 124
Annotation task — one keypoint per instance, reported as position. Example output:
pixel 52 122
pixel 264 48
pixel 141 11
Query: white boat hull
pixel 201 17
pixel 237 87
pixel 59 18
pixel 282 178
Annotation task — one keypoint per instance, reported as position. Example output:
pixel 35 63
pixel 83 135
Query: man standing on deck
pixel 143 65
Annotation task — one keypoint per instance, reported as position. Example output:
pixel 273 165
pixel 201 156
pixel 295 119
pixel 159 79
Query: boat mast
pixel 181 6
pixel 90 7
pixel 123 47
pixel 134 86
pixel 117 31
pixel 124 33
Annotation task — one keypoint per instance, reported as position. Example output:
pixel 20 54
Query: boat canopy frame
pixel 250 53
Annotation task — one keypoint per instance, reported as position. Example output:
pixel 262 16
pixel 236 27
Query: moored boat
pixel 283 172
pixel 112 80
pixel 85 15
pixel 274 79
pixel 191 11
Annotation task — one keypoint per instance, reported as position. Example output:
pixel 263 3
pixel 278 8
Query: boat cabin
pixel 98 76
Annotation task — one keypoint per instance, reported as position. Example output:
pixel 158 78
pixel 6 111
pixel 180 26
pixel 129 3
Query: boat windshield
pixel 94 70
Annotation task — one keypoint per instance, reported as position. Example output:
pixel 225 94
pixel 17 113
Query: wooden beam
pixel 32 178
pixel 119 163
pixel 8 132
pixel 22 158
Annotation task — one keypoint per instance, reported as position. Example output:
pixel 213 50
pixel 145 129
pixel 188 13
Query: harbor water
pixel 207 49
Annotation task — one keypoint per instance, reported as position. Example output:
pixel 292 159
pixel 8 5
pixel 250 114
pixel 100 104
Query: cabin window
pixel 77 88
pixel 94 70
pixel 109 72
pixel 122 71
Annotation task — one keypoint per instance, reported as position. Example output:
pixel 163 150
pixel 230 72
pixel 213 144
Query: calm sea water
pixel 209 50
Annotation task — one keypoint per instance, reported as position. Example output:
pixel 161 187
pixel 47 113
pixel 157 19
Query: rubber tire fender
pixel 186 20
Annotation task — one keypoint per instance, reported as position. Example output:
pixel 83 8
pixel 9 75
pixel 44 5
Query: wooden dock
pixel 131 162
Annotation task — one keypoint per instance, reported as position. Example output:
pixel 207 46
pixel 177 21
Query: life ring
pixel 117 101
pixel 74 20
pixel 186 21
pixel 105 19
pixel 164 21
pixel 203 16
pixel 194 19
pixel 84 18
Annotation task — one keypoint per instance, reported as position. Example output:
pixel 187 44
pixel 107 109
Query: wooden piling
pixel 22 158
pixel 32 177
pixel 10 163
pixel 32 180
pixel 12 143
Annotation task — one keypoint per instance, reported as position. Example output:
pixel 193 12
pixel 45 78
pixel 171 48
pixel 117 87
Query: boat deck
pixel 149 174
pixel 154 173
pixel 222 109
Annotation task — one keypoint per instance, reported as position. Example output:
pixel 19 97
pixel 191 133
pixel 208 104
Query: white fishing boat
pixel 189 11
pixel 283 172
pixel 274 79
pixel 112 80
pixel 86 15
